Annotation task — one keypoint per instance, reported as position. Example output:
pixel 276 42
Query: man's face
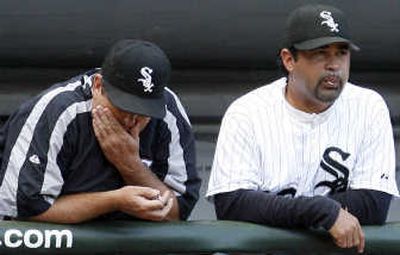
pixel 129 120
pixel 319 75
pixel 126 119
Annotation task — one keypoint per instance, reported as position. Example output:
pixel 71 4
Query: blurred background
pixel 219 50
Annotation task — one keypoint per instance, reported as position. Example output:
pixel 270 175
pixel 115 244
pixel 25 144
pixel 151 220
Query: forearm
pixel 121 148
pixel 77 208
pixel 271 209
pixel 368 206
pixel 139 174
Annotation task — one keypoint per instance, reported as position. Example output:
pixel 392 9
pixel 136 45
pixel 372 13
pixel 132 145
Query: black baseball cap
pixel 134 74
pixel 312 26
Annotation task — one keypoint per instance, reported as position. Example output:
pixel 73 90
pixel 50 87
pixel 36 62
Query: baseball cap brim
pixel 151 107
pixel 322 41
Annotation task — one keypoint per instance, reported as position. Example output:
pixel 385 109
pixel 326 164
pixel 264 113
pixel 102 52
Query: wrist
pixel 137 162
pixel 331 210
pixel 129 166
pixel 115 199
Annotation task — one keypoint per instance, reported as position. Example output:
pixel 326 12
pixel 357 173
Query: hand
pixel 120 147
pixel 122 150
pixel 145 203
pixel 347 231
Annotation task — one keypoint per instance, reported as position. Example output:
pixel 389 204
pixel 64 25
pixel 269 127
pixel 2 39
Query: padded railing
pixel 194 237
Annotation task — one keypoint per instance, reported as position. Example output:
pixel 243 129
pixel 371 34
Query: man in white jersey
pixel 310 149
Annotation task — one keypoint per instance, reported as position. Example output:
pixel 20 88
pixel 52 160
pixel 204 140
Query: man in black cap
pixel 112 143
pixel 309 149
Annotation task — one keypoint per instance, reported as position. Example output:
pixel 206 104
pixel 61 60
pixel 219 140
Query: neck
pixel 300 102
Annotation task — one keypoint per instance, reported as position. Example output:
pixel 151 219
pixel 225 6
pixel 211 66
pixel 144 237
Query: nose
pixel 147 120
pixel 333 63
pixel 129 121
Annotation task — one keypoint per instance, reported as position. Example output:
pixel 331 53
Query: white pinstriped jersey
pixel 266 144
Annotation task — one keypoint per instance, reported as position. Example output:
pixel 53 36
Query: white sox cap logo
pixel 146 82
pixel 329 21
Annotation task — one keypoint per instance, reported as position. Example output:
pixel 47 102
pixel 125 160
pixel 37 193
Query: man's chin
pixel 329 96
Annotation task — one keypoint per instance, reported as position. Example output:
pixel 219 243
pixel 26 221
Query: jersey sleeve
pixel 236 161
pixel 23 167
pixel 375 163
pixel 31 178
pixel 178 158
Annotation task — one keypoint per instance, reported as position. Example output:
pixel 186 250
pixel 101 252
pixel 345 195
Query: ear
pixel 97 86
pixel 287 59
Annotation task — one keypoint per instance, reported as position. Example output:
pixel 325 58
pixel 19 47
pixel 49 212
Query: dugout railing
pixel 193 237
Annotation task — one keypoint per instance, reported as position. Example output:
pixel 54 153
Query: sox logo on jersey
pixel 336 169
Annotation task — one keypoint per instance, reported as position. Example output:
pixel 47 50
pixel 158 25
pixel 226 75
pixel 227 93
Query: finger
pixel 148 193
pixel 111 121
pixel 97 125
pixel 150 205
pixel 135 131
pixel 165 197
pixel 356 237
pixel 98 112
pixel 351 241
pixel 361 245
pixel 341 242
pixel 346 242
pixel 142 122
pixel 167 207
pixel 160 215
pixel 355 240
pixel 106 119
pixel 350 236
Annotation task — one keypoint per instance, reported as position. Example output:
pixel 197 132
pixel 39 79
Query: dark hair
pixel 281 67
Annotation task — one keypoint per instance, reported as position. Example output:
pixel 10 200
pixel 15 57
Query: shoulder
pixel 175 126
pixel 73 95
pixel 174 105
pixel 258 99
pixel 356 92
pixel 362 104
pixel 64 96
pixel 360 96
pixel 170 96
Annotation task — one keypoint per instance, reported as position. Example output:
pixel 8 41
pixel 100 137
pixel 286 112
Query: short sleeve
pixel 31 178
pixel 24 164
pixel 375 163
pixel 236 159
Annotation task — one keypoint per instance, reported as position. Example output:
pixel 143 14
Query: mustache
pixel 330 75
